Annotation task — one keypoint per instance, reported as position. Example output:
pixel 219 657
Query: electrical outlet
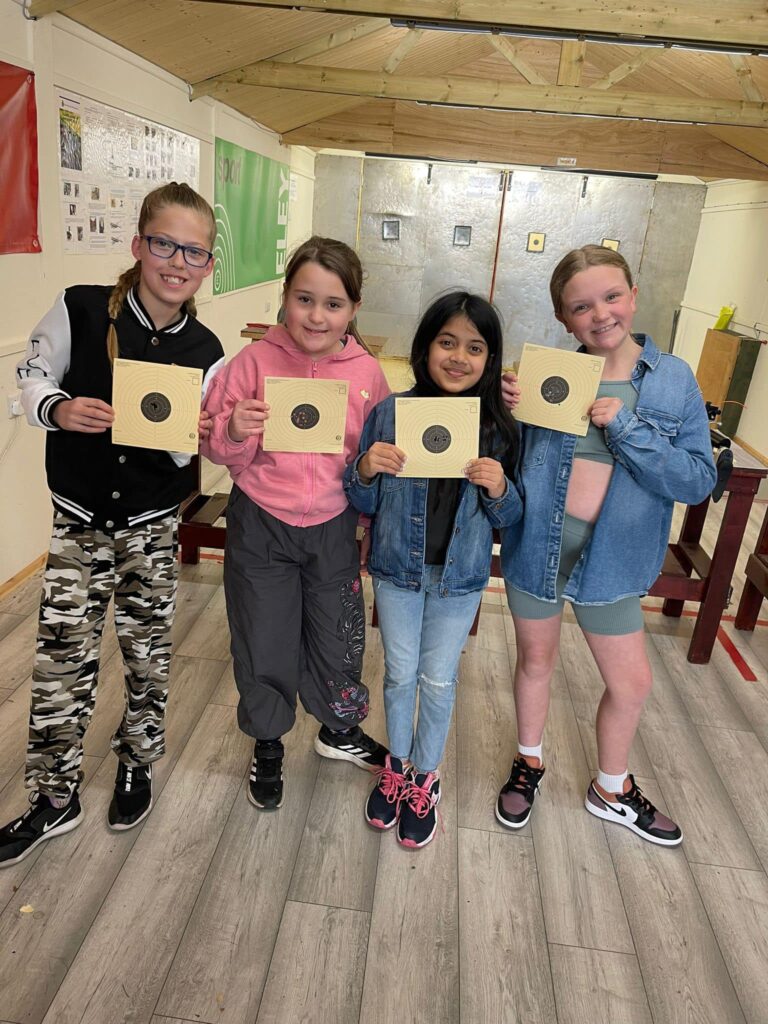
pixel 267 306
pixel 14 405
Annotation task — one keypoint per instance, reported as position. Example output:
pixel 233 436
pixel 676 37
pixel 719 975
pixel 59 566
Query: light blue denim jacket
pixel 663 455
pixel 399 505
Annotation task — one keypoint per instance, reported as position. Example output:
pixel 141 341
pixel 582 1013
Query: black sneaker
pixel 351 745
pixel 417 823
pixel 265 787
pixel 382 807
pixel 40 822
pixel 513 808
pixel 132 799
pixel 635 812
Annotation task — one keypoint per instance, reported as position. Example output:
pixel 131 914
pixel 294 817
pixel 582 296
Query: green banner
pixel 251 205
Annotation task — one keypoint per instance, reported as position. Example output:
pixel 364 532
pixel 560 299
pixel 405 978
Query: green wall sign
pixel 251 205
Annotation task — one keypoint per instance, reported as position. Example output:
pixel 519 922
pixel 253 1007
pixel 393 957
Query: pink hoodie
pixel 299 489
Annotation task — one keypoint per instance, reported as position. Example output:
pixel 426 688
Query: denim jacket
pixel 399 505
pixel 663 455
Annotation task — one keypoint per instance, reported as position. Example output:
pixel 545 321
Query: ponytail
pixel 125 282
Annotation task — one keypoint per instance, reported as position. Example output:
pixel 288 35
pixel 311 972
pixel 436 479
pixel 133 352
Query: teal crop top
pixel 592 446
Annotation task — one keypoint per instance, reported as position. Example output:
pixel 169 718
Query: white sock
pixel 529 751
pixel 59 801
pixel 611 783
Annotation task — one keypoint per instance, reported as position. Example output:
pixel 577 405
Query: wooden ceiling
pixel 526 82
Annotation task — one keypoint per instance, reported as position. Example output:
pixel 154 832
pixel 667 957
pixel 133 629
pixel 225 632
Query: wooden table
pixel 756 585
pixel 711 585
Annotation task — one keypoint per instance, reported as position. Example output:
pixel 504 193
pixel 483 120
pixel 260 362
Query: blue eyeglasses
pixel 193 255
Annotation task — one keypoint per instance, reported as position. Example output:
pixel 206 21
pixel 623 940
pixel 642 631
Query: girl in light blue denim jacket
pixel 431 553
pixel 597 515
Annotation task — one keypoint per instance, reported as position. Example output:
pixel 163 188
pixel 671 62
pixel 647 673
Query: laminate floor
pixel 213 912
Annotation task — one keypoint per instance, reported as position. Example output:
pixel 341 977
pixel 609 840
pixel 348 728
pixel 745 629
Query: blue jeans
pixel 423 635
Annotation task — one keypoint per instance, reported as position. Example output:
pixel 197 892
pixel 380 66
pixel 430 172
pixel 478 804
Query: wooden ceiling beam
pixel 746 81
pixel 402 50
pixel 39 8
pixel 322 44
pixel 530 139
pixel 744 25
pixel 508 50
pixel 330 41
pixel 629 67
pixel 498 95
pixel 571 62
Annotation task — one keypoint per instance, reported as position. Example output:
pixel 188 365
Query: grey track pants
pixel 297 619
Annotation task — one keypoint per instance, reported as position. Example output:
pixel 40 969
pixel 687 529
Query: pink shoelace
pixel 420 798
pixel 391 784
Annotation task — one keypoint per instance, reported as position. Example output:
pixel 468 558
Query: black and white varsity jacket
pixel 100 483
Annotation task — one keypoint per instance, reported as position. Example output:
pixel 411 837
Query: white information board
pixel 108 161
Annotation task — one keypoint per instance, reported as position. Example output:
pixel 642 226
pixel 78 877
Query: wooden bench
pixel 197 529
pixel 756 586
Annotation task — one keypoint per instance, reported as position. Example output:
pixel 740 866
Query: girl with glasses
pixel 115 515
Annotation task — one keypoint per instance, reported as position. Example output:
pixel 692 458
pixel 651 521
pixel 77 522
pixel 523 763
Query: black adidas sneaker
pixel 39 822
pixel 265 784
pixel 351 745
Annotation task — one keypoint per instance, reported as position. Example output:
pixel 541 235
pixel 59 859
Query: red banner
pixel 18 160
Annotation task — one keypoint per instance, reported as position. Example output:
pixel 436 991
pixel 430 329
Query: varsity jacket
pixel 100 483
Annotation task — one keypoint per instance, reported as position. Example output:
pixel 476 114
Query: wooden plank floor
pixel 212 912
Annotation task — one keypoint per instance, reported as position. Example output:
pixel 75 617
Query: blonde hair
pixel 172 194
pixel 582 259
pixel 338 258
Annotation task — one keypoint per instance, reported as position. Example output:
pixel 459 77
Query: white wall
pixel 63 54
pixel 730 267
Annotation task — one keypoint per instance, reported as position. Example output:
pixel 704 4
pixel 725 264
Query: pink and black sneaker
pixel 417 823
pixel 513 808
pixel 382 807
pixel 635 812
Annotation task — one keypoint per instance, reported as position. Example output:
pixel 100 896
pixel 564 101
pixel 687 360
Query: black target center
pixel 555 390
pixel 155 407
pixel 305 416
pixel 436 439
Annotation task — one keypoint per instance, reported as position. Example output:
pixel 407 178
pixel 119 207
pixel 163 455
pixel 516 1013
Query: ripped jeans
pixel 423 635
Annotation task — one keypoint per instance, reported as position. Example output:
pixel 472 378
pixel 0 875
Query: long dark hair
pixel 499 434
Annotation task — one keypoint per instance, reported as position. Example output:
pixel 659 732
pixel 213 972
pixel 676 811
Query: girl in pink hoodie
pixel 291 570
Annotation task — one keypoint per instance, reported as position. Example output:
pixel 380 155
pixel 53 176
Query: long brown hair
pixel 582 259
pixel 172 194
pixel 339 259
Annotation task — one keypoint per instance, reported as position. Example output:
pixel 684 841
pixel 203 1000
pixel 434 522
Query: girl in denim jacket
pixel 431 553
pixel 595 530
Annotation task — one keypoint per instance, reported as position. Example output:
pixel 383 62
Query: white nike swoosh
pixel 53 824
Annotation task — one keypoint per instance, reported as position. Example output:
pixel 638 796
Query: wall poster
pixel 109 160
pixel 251 198
pixel 18 160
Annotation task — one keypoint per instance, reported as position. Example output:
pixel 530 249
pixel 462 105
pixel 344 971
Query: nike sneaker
pixel 132 799
pixel 515 803
pixel 635 812
pixel 39 822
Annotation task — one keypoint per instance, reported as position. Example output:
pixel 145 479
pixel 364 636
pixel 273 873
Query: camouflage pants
pixel 86 566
